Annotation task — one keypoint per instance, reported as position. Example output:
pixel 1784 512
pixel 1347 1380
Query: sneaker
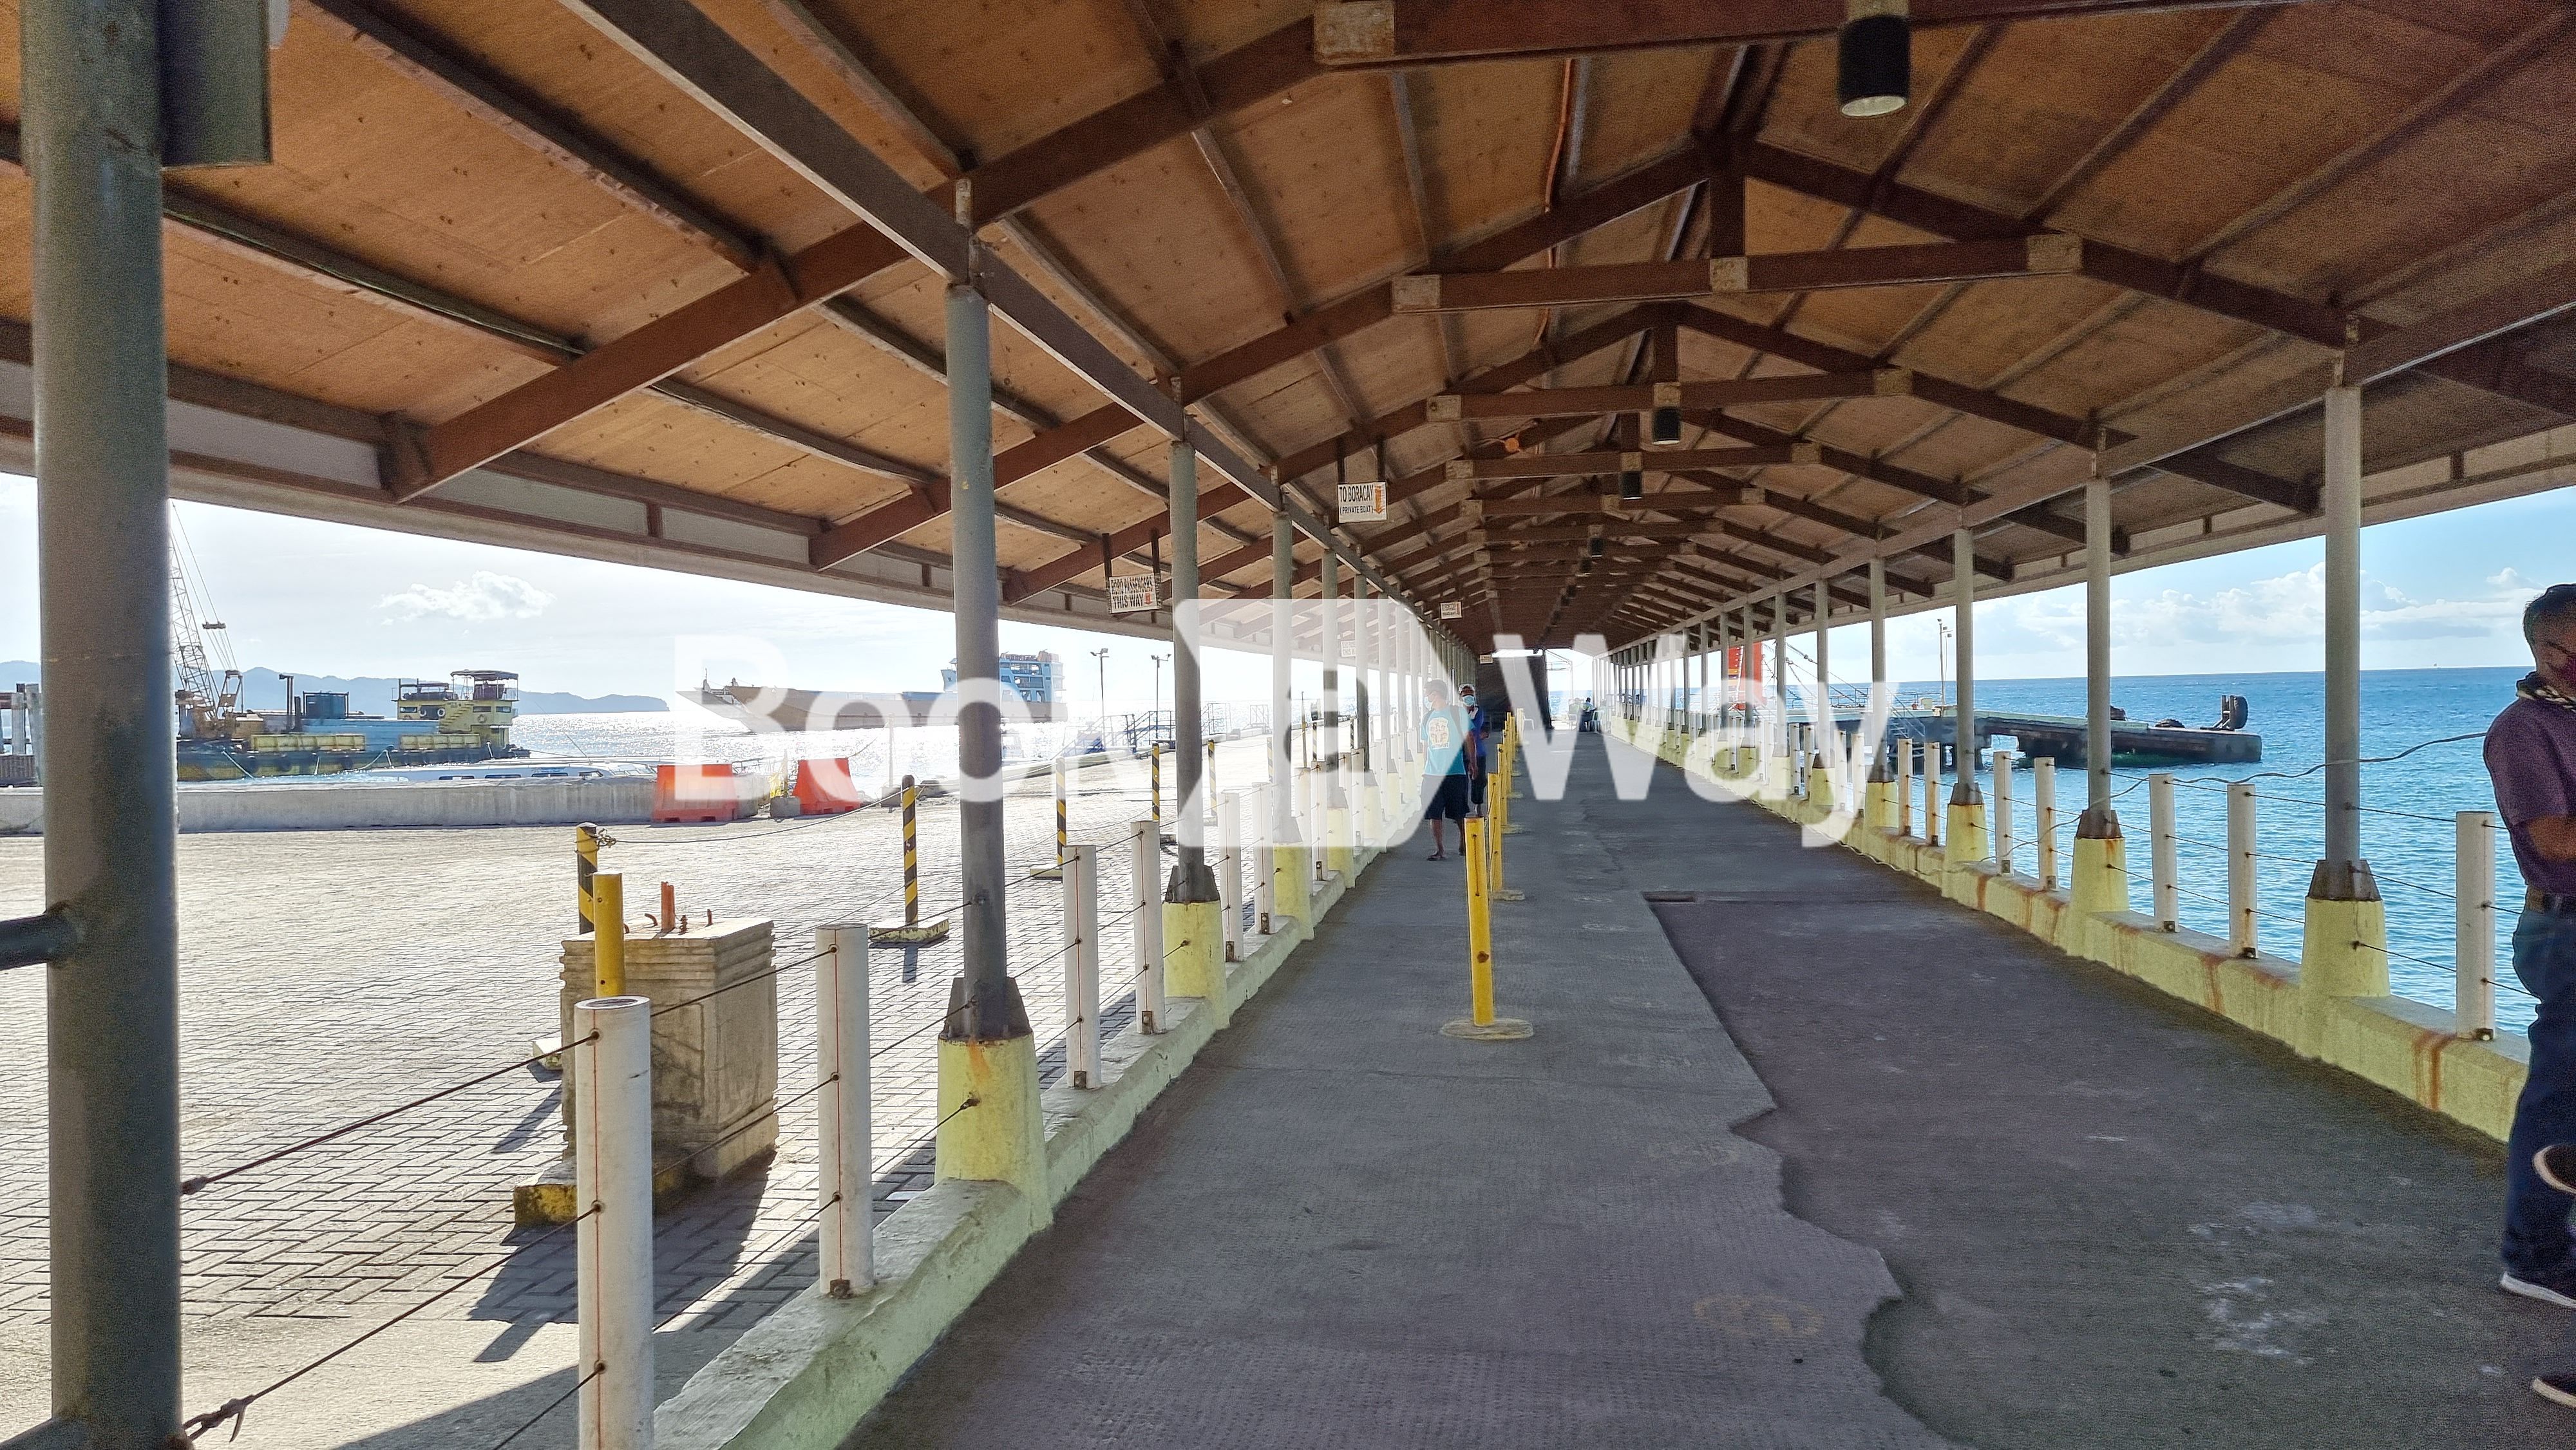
pixel 2558 1286
pixel 2558 1389
pixel 2556 1165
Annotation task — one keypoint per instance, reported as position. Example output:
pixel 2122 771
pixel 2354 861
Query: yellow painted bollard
pixel 1055 871
pixel 1498 805
pixel 1481 1025
pixel 608 935
pixel 585 865
pixel 912 933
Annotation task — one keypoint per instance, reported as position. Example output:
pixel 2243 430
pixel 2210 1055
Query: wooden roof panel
pixel 2317 80
pixel 2453 179
pixel 996 74
pixel 1327 178
pixel 1158 234
pixel 1486 134
pixel 2045 94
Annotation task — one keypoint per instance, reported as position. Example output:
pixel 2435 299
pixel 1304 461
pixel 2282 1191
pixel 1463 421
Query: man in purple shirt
pixel 2531 753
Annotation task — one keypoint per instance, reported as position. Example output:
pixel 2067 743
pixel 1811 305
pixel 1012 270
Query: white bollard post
pixel 2473 996
pixel 2240 871
pixel 1149 926
pixel 1264 858
pixel 2043 801
pixel 1905 787
pixel 1082 964
pixel 2166 869
pixel 1229 870
pixel 846 1175
pixel 612 1144
pixel 2002 813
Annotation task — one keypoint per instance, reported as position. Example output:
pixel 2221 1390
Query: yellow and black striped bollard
pixel 912 933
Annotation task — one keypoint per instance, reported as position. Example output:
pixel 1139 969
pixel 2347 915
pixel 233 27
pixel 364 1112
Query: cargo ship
pixel 463 719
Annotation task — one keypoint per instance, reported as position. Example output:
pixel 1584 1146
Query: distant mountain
pixel 265 688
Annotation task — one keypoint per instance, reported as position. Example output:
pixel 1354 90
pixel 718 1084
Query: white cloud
pixel 2285 609
pixel 486 596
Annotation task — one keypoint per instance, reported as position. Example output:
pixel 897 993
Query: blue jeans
pixel 2535 1214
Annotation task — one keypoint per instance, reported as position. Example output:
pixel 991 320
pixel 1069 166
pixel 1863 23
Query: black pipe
pixel 27 941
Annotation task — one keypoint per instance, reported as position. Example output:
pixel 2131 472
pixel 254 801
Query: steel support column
pixel 91 119
pixel 989 1001
pixel 1881 769
pixel 1963 595
pixel 2099 822
pixel 1283 697
pixel 1191 878
pixel 2342 506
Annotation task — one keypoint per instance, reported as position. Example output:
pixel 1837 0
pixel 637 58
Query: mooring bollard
pixel 1148 872
pixel 2241 917
pixel 1082 966
pixel 2043 801
pixel 845 1176
pixel 1229 871
pixel 2473 989
pixel 608 934
pixel 1480 1025
pixel 1905 787
pixel 2003 812
pixel 613 1177
pixel 2163 867
pixel 912 933
pixel 585 865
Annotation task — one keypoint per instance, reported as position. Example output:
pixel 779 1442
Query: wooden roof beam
pixel 2190 285
pixel 779 288
pixel 1530 365
pixel 1638 398
pixel 1726 495
pixel 1572 465
pixel 1365 33
pixel 2040 254
pixel 1606 203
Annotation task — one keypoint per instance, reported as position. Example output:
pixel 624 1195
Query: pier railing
pixel 2442 878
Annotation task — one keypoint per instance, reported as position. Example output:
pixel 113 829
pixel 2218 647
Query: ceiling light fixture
pixel 1874 58
pixel 1632 485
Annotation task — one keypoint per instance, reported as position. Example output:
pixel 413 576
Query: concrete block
pixel 715 1062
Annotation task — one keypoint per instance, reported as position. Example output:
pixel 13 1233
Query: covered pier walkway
pixel 1810 1157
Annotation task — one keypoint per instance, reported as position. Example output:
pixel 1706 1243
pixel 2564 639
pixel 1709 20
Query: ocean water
pixel 2407 827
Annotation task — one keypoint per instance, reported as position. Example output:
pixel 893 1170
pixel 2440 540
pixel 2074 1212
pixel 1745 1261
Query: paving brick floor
pixel 329 975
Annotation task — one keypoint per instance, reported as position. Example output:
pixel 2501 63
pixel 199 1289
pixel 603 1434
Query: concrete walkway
pixel 1341 1228
pixel 2117 1222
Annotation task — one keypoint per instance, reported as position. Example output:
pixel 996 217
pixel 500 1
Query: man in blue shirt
pixel 1444 750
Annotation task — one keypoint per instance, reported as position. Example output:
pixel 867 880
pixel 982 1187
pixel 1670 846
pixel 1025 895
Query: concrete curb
pixel 802 1378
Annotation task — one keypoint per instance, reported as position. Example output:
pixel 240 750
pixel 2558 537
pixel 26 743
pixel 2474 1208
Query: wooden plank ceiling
pixel 491 236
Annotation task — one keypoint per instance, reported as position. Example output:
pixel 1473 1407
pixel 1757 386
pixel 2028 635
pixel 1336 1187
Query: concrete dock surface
pixel 1824 1161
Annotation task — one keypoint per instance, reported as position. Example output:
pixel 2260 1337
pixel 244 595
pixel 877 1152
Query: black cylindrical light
pixel 1598 545
pixel 1874 58
pixel 1664 428
pixel 1632 485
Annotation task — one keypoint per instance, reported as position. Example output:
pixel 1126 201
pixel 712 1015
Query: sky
pixel 322 598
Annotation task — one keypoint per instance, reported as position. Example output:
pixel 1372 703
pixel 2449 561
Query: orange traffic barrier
pixel 824 788
pixel 695 793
